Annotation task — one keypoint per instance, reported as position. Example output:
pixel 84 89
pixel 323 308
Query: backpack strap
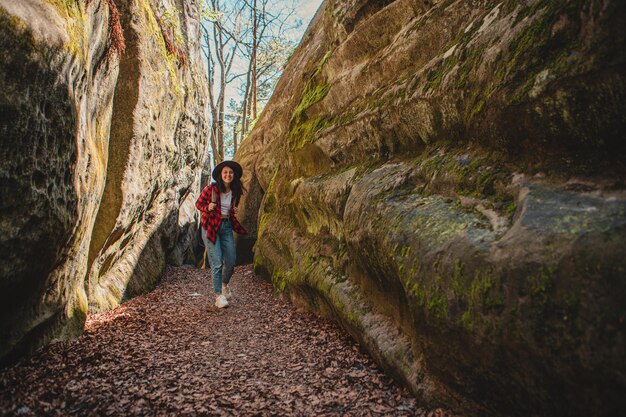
pixel 213 196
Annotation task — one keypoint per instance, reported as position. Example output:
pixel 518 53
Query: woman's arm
pixel 204 203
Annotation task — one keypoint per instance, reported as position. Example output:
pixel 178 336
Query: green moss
pixel 316 220
pixel 511 208
pixel 542 284
pixel 376 102
pixel 466 321
pixel 304 133
pixel 312 94
pixel 493 298
pixel 413 269
pixel 172 25
pixel 418 294
pixel 308 261
pixel 477 108
pixel 484 183
pixel 475 291
pixel 302 129
pixel 469 61
pixel 521 94
pixel 269 204
pixel 528 38
pixel 342 119
pixel 486 292
pixel 154 29
pixel 353 317
pixel 437 303
pixel 263 222
pixel 279 280
pixel 457 280
pixel 515 63
pixel 435 76
pixel 478 178
pixel 470 172
pixel 395 248
pixel 265 215
pixel 314 90
pixel 73 13
pixel 535 48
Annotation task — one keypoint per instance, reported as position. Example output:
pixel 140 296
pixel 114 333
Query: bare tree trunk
pixel 225 40
pixel 246 108
pixel 219 121
pixel 213 139
pixel 255 46
pixel 235 135
pixel 220 124
pixel 221 38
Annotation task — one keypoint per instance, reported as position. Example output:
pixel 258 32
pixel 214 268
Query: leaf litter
pixel 172 352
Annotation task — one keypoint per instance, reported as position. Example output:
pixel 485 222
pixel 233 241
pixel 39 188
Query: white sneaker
pixel 227 292
pixel 221 301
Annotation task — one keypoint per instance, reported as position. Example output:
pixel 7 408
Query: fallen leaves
pixel 171 352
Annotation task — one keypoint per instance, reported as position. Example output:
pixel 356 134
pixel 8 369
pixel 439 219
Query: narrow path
pixel 171 352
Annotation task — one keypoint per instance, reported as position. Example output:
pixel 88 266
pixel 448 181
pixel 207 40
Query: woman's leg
pixel 214 252
pixel 227 243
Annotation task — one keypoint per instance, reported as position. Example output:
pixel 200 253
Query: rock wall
pixel 99 160
pixel 157 136
pixel 445 179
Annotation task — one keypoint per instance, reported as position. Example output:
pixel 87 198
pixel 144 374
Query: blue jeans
pixel 222 255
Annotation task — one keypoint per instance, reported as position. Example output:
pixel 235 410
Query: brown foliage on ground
pixel 171 352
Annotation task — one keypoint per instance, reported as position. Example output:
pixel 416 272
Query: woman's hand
pixel 212 206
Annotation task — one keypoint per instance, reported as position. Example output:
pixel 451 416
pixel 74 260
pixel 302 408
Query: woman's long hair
pixel 236 186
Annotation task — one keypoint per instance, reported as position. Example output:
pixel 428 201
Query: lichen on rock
pixel 438 177
pixel 99 162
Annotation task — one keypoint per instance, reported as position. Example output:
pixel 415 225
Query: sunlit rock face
pixel 446 180
pixel 98 161
pixel 158 137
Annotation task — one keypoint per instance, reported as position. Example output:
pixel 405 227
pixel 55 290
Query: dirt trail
pixel 171 352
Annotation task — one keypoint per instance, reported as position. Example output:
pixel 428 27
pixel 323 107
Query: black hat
pixel 232 164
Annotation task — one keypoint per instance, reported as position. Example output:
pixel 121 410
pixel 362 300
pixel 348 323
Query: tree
pixel 220 28
pixel 267 36
pixel 245 42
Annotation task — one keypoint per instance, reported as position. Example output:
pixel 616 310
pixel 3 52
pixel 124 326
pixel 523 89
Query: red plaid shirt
pixel 211 219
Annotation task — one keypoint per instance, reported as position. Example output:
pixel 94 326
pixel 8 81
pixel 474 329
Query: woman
pixel 218 204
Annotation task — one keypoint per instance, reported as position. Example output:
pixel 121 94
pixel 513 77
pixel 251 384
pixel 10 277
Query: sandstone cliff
pixel 99 158
pixel 445 179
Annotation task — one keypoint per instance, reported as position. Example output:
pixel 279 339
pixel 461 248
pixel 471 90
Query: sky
pixel 306 10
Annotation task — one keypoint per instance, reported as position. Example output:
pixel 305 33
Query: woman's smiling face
pixel 227 175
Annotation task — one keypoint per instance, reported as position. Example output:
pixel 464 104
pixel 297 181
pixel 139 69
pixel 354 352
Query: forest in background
pixel 246 44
